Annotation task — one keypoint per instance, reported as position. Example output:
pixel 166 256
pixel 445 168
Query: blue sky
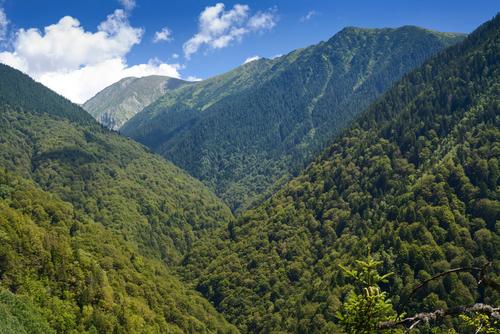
pixel 282 26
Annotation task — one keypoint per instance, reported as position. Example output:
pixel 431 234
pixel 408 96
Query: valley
pixel 349 186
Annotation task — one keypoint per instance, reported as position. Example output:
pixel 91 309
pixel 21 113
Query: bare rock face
pixel 119 102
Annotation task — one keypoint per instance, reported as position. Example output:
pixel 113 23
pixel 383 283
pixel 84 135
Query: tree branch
pixel 481 280
pixel 428 316
pixel 447 272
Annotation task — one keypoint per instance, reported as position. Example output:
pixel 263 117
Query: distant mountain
pixel 243 131
pixel 119 102
pixel 91 224
pixel 414 181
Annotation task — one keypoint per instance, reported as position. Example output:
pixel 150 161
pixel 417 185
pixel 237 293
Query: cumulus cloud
pixel 308 16
pixel 218 27
pixel 97 77
pixel 4 22
pixel 164 35
pixel 128 4
pixel 193 78
pixel 66 46
pixel 77 63
pixel 262 20
pixel 250 59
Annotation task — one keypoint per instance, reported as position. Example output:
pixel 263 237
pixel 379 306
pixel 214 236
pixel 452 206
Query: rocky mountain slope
pixel 119 102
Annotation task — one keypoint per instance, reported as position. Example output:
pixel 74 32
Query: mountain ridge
pixel 242 131
pixel 117 103
pixel 413 182
pixel 93 223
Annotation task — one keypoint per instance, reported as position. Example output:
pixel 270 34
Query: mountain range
pixel 377 143
pixel 414 180
pixel 254 127
pixel 119 102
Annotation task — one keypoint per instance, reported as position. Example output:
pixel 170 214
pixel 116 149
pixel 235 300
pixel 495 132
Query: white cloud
pixel 97 77
pixel 4 22
pixel 77 63
pixel 66 46
pixel 250 59
pixel 128 4
pixel 164 35
pixel 218 28
pixel 193 78
pixel 262 20
pixel 175 56
pixel 308 16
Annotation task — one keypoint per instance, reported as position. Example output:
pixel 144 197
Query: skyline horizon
pixel 198 41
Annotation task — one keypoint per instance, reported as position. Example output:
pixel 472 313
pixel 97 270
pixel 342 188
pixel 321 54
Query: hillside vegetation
pixel 92 223
pixel 245 130
pixel 414 182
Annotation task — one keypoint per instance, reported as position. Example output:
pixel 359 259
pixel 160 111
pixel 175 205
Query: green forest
pixel 92 222
pixel 414 182
pixel 246 130
pixel 393 226
pixel 71 274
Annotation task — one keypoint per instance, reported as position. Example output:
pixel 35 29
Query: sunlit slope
pixel 242 131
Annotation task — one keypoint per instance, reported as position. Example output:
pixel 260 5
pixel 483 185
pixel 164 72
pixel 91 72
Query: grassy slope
pixel 119 102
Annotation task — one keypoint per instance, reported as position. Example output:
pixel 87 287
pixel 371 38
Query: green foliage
pixel 367 275
pixel 116 104
pixel 362 312
pixel 481 323
pixel 38 99
pixel 82 277
pixel 243 131
pixel 112 179
pixel 91 224
pixel 415 179
pixel 19 317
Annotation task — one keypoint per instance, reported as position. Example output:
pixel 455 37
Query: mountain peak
pixel 416 30
pixel 120 101
pixel 272 116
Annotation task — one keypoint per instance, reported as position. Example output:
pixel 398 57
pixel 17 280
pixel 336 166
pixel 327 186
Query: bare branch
pixel 412 326
pixel 428 316
pixel 447 272
pixel 481 280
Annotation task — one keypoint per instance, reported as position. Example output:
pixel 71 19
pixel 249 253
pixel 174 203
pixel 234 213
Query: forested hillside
pixel 77 276
pixel 91 223
pixel 19 317
pixel 414 182
pixel 118 103
pixel 243 131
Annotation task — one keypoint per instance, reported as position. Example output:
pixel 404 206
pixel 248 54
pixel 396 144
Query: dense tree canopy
pixel 245 130
pixel 98 235
pixel 91 223
pixel 82 277
pixel 415 180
